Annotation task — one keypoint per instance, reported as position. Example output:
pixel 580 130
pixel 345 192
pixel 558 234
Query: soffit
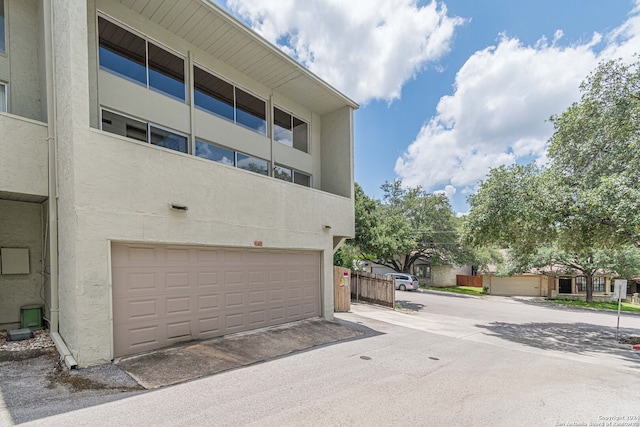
pixel 215 31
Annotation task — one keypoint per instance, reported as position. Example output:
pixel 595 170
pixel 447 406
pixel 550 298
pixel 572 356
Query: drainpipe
pixel 52 142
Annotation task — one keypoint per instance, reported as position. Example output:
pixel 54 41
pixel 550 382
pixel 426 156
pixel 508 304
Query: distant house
pixel 166 174
pixel 429 275
pixel 550 282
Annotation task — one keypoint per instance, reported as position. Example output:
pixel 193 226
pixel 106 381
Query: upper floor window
pixel 3 97
pixel 134 58
pixel 3 43
pixel 219 154
pixel 292 175
pixel 219 97
pixel 144 131
pixel 290 130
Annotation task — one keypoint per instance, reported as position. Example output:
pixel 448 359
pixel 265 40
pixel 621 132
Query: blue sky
pixel 448 89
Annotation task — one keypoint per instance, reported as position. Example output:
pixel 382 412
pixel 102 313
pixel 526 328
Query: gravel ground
pixel 36 384
pixel 41 340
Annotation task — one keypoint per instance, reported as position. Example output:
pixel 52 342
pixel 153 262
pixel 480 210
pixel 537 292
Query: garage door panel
pixel 208 302
pixel 258 318
pixel 515 286
pixel 178 329
pixel 209 326
pixel 208 280
pixel 167 294
pixel 178 305
pixel 128 282
pixel 233 278
pixel 277 314
pixel 176 256
pixel 129 311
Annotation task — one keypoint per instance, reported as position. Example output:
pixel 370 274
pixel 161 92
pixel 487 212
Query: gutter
pixel 52 141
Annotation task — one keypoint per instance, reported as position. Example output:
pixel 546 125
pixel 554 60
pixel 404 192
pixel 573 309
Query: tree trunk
pixel 589 287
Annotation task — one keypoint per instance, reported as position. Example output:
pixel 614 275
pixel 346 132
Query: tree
pixel 406 225
pixel 550 258
pixel 595 153
pixel 582 206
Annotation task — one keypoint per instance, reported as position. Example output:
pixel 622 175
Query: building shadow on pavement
pixel 576 338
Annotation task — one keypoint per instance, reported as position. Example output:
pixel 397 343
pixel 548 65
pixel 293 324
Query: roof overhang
pixel 217 32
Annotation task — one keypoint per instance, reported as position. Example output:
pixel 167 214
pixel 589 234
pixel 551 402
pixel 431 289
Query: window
pixel 292 175
pixel 143 131
pixel 132 57
pixel 3 97
pixel 213 94
pixel 251 112
pixel 598 284
pixel 283 173
pixel 215 153
pixel 168 139
pixel 219 154
pixel 224 100
pixel 253 164
pixel 290 130
pixel 423 271
pixel 3 42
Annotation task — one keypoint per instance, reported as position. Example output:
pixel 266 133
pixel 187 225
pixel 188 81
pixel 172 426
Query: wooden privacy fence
pixel 341 289
pixel 475 281
pixel 375 288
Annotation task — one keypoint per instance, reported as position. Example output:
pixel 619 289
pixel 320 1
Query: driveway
pixel 522 323
pixel 420 368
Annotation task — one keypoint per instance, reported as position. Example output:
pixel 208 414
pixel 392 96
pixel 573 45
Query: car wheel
pixel 403 288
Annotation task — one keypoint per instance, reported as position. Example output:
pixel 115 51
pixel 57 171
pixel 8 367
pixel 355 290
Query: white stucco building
pixel 171 174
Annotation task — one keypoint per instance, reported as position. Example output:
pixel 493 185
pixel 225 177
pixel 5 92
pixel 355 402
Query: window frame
pixel 4 98
pixel 148 127
pixel 146 40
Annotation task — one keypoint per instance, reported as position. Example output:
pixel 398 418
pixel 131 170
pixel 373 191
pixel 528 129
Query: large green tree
pixel 406 225
pixel 582 206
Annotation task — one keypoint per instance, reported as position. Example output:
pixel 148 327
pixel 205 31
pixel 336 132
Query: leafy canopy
pixel 581 210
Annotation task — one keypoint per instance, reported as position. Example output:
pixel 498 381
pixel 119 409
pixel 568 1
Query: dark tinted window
pixel 122 52
pixel 213 94
pixel 251 112
pixel 166 72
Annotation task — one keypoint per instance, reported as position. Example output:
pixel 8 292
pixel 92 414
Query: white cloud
pixel 367 49
pixel 502 99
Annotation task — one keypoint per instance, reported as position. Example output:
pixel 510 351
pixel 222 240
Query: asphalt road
pixel 455 361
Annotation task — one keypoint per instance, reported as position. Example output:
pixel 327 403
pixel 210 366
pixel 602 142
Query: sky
pixel 448 89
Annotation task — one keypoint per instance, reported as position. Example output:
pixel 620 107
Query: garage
pixel 166 294
pixel 515 286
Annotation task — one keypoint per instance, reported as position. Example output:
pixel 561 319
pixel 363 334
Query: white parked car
pixel 405 282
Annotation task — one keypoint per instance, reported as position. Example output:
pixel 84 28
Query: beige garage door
pixel 515 286
pixel 166 294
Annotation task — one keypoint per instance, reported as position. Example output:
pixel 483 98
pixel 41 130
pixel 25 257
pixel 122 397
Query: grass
pixel 466 290
pixel 602 305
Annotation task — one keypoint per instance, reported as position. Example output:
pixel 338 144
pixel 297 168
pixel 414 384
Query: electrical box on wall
pixel 14 261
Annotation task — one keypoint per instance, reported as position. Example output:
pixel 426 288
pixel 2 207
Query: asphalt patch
pixel 203 358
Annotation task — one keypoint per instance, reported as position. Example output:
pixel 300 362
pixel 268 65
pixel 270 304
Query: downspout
pixel 52 142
